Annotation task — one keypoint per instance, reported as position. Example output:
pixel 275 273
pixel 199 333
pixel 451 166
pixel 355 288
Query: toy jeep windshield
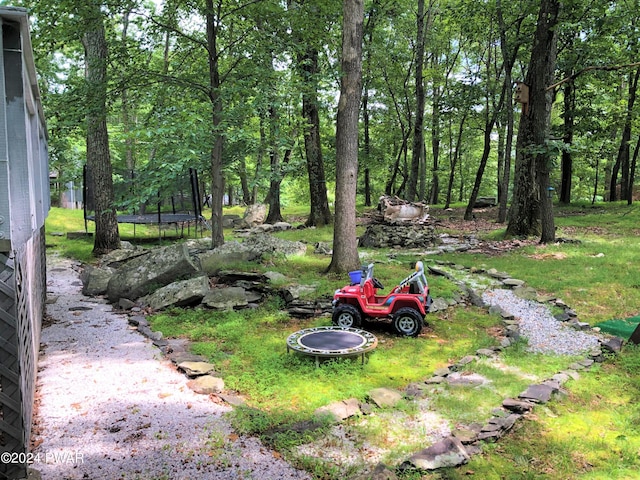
pixel 407 304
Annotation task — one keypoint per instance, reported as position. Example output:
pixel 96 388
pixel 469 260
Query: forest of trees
pixel 247 92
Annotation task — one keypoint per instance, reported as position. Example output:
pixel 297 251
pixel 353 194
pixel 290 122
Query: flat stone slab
pixel 538 393
pixel 206 385
pixel 196 369
pixel 226 298
pixel 385 397
pixel 466 379
pixel 340 410
pixel 448 452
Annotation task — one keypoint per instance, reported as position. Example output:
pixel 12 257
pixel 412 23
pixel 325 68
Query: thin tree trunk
pixel 632 173
pixel 567 137
pixel 319 214
pixel 508 58
pixel 456 158
pixel 418 126
pixel 217 180
pixel 622 160
pixel 434 192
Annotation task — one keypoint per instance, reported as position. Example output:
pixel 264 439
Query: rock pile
pixel 192 274
pixel 405 236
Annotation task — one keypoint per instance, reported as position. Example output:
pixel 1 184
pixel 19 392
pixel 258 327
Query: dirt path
pixel 109 405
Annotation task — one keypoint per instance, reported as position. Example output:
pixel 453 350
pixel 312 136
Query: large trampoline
pixel 331 342
pixel 176 203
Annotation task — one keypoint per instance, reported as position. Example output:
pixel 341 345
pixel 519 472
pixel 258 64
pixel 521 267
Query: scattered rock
pixel 518 406
pixel 538 393
pixel 275 277
pixel 206 385
pixel 466 379
pixel 385 397
pixel 340 411
pixel 196 369
pixel 380 472
pixel 438 305
pixel 613 345
pixel 448 452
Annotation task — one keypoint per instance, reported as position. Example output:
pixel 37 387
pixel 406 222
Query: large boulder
pixel 226 298
pixel 95 280
pixel 251 249
pixel 255 214
pixel 213 261
pixel 178 294
pixel 268 244
pixel 126 252
pixel 143 275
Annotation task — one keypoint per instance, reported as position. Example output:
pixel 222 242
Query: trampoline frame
pixel 369 342
pixel 159 217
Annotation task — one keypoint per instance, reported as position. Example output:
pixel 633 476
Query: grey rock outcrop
pixel 226 298
pixel 406 236
pixel 95 280
pixel 213 261
pixel 142 276
pixel 177 294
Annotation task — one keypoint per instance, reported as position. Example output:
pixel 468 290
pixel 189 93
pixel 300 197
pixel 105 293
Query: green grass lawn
pixel 591 432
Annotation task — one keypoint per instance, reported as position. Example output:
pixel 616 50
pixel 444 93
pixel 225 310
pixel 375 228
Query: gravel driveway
pixel 110 407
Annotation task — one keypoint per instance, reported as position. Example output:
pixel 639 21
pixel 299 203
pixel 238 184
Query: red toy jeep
pixel 407 304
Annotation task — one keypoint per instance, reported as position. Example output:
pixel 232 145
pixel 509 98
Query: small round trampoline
pixel 332 341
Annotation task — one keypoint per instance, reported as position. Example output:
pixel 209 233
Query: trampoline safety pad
pixel 331 342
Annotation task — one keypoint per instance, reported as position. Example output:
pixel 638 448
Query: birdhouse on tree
pixel 521 95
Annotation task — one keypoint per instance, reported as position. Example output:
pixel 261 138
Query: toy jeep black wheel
pixel 346 316
pixel 408 322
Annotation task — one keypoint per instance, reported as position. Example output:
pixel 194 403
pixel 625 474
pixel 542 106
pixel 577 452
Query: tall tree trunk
pixel 567 137
pixel 632 173
pixel 126 115
pixel 217 180
pixel 488 129
pixel 434 192
pixel 418 126
pixel 273 197
pixel 456 158
pixel 107 236
pixel 262 147
pixel 623 158
pixel 345 246
pixel 244 182
pixel 490 121
pixel 319 214
pixel 508 58
pixel 531 211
